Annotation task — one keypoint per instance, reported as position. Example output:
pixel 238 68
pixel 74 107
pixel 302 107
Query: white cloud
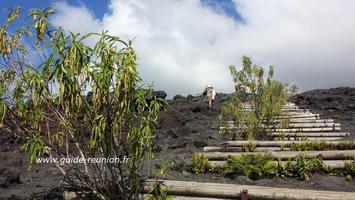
pixel 184 45
pixel 77 19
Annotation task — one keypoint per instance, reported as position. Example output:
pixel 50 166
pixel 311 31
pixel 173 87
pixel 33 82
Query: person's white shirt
pixel 213 94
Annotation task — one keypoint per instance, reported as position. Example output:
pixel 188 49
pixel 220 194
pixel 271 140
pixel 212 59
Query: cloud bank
pixel 184 44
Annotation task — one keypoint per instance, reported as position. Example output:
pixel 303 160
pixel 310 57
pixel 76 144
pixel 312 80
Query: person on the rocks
pixel 209 95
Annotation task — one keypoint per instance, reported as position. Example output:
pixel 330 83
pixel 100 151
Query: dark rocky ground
pixel 187 126
pixel 335 103
pixel 184 127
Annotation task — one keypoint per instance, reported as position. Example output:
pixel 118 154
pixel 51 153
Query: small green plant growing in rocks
pixel 200 164
pixel 285 122
pixel 285 168
pixel 253 166
pixel 282 137
pixel 309 146
pixel 349 170
pixel 265 98
pixel 322 146
pixel 159 191
pixel 249 147
pixel 305 166
pixel 282 146
pixel 262 165
pixel 346 145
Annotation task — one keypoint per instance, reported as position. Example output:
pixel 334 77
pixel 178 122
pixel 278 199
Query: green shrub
pixel 159 190
pixel 261 165
pixel 285 169
pixel 346 145
pixel 349 170
pixel 46 79
pixel 309 146
pixel 249 147
pixel 265 97
pixel 200 164
pixel 305 166
pixel 322 146
pixel 253 166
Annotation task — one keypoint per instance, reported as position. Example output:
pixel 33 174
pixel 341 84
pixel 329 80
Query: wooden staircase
pixel 303 127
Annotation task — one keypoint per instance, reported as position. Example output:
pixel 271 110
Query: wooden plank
pixel 312 125
pixel 289 112
pixel 284 106
pixel 327 155
pixel 296 120
pixel 260 143
pixel 307 129
pixel 219 190
pixel 294 125
pixel 239 149
pixel 300 120
pixel 309 138
pixel 333 164
pixel 312 134
pixel 322 129
pixel 297 116
pixel 286 110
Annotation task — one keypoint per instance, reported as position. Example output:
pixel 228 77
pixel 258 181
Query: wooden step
pixel 240 149
pixel 309 138
pixel 300 116
pixel 232 191
pixel 311 134
pixel 286 110
pixel 333 164
pixel 284 155
pixel 290 112
pixel 298 121
pixel 294 125
pixel 286 105
pixel 322 129
pixel 260 143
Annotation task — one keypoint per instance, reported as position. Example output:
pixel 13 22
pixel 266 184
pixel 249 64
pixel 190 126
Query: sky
pixel 183 45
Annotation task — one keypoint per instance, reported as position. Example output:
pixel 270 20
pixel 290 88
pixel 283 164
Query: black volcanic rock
pixel 8 177
pixel 178 97
pixel 159 94
pixel 335 103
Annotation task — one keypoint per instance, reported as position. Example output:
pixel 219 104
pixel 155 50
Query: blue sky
pixel 184 45
pixel 100 7
pixel 225 7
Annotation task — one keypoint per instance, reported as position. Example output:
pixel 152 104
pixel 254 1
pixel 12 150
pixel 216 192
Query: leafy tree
pixel 46 103
pixel 264 100
pixel 294 89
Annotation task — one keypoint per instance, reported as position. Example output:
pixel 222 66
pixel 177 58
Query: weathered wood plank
pixel 333 164
pixel 309 138
pixel 311 134
pixel 294 125
pixel 218 190
pixel 303 116
pixel 239 149
pixel 260 143
pixel 322 129
pixel 299 121
pixel 326 155
pixel 285 110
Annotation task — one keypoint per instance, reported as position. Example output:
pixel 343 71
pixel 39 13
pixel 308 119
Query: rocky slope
pixel 335 103
pixel 184 127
